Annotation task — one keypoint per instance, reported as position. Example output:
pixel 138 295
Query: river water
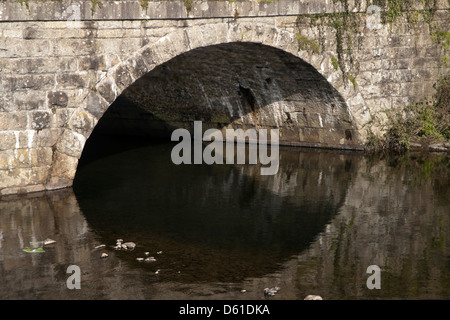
pixel 227 232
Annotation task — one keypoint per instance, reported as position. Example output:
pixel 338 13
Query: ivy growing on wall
pixel 348 23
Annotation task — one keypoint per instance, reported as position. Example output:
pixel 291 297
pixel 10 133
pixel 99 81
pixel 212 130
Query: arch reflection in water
pixel 213 222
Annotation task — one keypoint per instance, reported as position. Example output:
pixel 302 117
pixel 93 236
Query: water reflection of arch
pixel 230 218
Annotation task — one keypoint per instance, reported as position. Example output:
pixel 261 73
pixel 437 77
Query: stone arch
pixel 186 37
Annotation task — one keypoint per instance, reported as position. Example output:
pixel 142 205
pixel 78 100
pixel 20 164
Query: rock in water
pixel 313 297
pixel 48 241
pixel 271 291
pixel 129 245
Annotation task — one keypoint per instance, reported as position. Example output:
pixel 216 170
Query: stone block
pixel 29 82
pixel 412 89
pixel 25 158
pixel 92 63
pixel 82 122
pixel 118 46
pixel 71 143
pixel 57 99
pixel 122 77
pixel 137 66
pixel 40 120
pixel 41 156
pixel 72 80
pixel 62 171
pixel 107 90
pixel 47 137
pixel 7 140
pixel 96 105
pixel 31 48
pixel 12 178
pixel 389 89
pixel 41 65
pixel 6 159
pixel 13 121
pixel 29 100
pixel 6 104
pixel 31 32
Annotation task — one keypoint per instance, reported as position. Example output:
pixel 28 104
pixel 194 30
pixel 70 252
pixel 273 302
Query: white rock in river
pixel 271 291
pixel 129 245
pixel 48 241
pixel 313 297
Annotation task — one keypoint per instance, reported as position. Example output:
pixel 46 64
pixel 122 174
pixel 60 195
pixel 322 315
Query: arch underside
pixel 236 85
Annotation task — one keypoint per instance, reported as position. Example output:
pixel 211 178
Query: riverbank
pixel 421 126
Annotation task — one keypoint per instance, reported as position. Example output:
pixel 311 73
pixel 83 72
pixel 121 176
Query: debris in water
pixel 48 241
pixel 29 250
pixel 37 243
pixel 140 259
pixel 159 252
pixel 243 291
pixel 104 255
pixel 100 246
pixel 124 246
pixel 129 245
pixel 157 271
pixel 271 291
pixel 150 259
pixel 118 244
pixel 42 243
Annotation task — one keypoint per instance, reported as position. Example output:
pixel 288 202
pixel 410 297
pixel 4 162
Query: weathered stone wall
pixel 59 75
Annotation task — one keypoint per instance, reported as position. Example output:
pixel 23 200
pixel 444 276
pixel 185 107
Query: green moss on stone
pixel 307 44
pixel 352 79
pixel 334 63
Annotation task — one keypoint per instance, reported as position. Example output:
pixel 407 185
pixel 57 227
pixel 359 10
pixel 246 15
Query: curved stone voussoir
pixel 96 104
pixel 71 143
pixel 83 122
pixel 107 89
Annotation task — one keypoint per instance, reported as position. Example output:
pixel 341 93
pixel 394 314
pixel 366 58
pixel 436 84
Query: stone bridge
pixel 323 72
